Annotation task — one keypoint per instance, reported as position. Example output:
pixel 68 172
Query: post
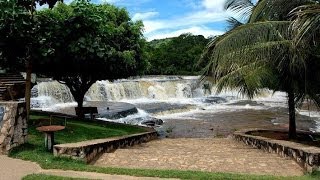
pixel 49 140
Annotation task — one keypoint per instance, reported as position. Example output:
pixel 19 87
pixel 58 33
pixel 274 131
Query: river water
pixel 188 107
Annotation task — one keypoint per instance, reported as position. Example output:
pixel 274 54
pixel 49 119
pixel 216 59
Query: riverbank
pixel 221 124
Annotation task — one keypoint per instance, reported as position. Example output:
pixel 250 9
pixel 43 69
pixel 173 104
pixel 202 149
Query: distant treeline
pixel 176 56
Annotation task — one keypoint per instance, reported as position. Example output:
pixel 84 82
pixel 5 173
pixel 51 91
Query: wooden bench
pixel 93 111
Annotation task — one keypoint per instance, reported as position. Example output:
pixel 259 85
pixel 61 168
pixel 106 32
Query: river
pixel 188 107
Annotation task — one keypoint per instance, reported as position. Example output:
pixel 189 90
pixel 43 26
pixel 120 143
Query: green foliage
pixel 306 25
pixel 76 44
pixel 176 55
pixel 86 42
pixel 16 35
pixel 19 33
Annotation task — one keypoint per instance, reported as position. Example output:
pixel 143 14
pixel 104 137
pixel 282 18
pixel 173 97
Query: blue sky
pixel 169 18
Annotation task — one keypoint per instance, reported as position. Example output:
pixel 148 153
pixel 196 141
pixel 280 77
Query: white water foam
pixel 315 115
pixel 183 90
pixel 131 119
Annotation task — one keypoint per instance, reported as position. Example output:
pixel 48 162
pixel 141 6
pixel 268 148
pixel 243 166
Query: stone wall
pixel 306 156
pixel 13 124
pixel 90 150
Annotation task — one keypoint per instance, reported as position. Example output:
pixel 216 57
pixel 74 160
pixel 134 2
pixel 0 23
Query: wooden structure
pixel 12 86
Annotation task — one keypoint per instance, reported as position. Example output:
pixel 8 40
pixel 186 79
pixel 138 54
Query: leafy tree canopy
pixel 86 42
pixel 176 55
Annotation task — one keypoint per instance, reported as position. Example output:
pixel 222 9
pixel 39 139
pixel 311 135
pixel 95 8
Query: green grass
pixel 75 131
pixel 193 175
pixel 79 131
pixel 48 177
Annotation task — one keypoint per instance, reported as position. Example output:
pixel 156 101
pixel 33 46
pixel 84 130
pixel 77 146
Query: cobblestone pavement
pixel 207 154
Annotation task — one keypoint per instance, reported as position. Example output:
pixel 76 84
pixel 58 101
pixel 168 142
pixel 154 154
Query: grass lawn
pixel 48 177
pixel 75 131
pixel 78 131
pixel 197 175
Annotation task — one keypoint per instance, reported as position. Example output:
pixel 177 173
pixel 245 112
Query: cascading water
pixel 161 97
pixel 48 94
pixel 160 89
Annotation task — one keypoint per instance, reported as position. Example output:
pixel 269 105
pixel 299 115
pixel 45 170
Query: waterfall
pixel 142 88
pixel 46 94
pixel 105 90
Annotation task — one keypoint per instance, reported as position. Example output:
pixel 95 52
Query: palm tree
pixel 260 54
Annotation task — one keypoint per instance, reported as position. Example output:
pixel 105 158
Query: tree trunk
pixel 79 109
pixel 78 86
pixel 292 116
pixel 28 87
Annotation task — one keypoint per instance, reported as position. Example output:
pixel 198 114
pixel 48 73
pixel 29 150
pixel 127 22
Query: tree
pixel 88 42
pixel 18 37
pixel 176 55
pixel 260 54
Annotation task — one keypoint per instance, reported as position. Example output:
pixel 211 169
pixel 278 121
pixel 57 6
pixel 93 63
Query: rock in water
pixel 215 100
pixel 151 121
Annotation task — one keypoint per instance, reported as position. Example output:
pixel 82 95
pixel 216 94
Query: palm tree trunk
pixel 292 116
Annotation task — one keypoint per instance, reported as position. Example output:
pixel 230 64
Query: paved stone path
pixel 92 175
pixel 207 154
pixel 16 169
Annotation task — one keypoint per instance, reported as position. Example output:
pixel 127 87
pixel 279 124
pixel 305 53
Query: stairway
pixel 12 86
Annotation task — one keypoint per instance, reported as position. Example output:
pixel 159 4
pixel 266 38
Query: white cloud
pixel 198 18
pixel 214 5
pixel 124 2
pixel 150 26
pixel 110 1
pixel 209 11
pixel 195 30
pixel 194 4
pixel 143 16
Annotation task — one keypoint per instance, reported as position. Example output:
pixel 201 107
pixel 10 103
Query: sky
pixel 170 18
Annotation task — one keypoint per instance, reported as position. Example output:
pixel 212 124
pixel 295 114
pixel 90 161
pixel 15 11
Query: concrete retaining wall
pixel 306 156
pixel 13 125
pixel 90 150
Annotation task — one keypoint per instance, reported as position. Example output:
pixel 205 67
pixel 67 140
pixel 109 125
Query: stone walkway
pixel 16 169
pixel 211 154
pixel 215 155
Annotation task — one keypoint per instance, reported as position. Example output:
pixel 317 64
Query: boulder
pixel 151 121
pixel 215 100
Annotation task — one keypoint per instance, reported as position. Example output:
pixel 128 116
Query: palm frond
pixel 233 23
pixel 241 57
pixel 274 10
pixel 249 79
pixel 242 8
pixel 306 23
